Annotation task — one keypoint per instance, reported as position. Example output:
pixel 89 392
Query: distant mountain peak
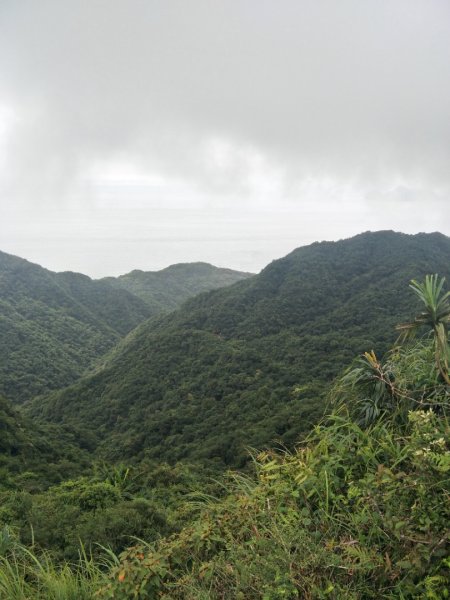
pixel 168 288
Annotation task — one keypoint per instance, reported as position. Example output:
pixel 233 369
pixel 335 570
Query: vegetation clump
pixel 355 512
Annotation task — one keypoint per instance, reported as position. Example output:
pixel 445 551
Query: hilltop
pixel 167 289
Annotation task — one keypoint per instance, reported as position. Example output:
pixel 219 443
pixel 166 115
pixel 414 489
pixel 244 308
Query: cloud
pixel 237 100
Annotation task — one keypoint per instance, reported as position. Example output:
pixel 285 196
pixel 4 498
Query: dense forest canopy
pixel 167 289
pixel 358 509
pixel 248 365
pixel 55 326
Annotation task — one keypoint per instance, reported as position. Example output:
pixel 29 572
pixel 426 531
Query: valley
pixel 174 423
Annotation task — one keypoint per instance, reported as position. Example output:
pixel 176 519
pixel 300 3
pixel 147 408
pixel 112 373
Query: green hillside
pixel 34 456
pixel 167 289
pixel 244 366
pixel 53 326
pixel 358 510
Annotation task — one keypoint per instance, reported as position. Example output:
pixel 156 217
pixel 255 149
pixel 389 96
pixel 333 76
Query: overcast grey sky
pixel 139 133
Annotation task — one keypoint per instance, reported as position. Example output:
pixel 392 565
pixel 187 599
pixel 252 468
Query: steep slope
pixel 54 325
pixel 245 364
pixel 352 513
pixel 167 289
pixel 32 456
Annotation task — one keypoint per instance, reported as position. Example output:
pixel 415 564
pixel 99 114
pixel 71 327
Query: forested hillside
pixel 54 326
pixel 359 510
pixel 245 366
pixel 167 289
pixel 356 510
pixel 34 456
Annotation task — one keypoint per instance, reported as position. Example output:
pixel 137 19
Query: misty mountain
pixel 167 289
pixel 245 366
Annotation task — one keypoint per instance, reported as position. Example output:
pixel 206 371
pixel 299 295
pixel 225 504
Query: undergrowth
pixel 27 573
pixel 353 513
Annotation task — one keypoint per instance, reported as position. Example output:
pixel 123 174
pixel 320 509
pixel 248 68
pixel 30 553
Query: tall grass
pixel 26 574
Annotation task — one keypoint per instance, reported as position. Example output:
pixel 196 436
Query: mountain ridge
pixel 55 326
pixel 168 288
pixel 245 365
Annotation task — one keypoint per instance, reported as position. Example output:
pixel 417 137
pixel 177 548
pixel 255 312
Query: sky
pixel 141 133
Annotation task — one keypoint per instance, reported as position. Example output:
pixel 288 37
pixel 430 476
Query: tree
pixel 436 317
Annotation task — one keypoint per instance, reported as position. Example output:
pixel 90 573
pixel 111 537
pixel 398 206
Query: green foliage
pixel 26 573
pixel 352 513
pixel 436 317
pixel 376 391
pixel 53 326
pixel 248 365
pixel 105 507
pixel 383 387
pixel 406 380
pixel 358 510
pixel 34 456
pixel 167 289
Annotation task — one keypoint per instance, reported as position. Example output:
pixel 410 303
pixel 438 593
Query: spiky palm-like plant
pixel 436 317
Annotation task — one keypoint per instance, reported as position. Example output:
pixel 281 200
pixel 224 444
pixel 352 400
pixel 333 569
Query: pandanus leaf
pixel 436 317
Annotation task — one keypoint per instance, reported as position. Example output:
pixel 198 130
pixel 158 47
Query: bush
pixel 356 511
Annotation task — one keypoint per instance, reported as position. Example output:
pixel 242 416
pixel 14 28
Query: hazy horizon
pixel 162 265
pixel 138 135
